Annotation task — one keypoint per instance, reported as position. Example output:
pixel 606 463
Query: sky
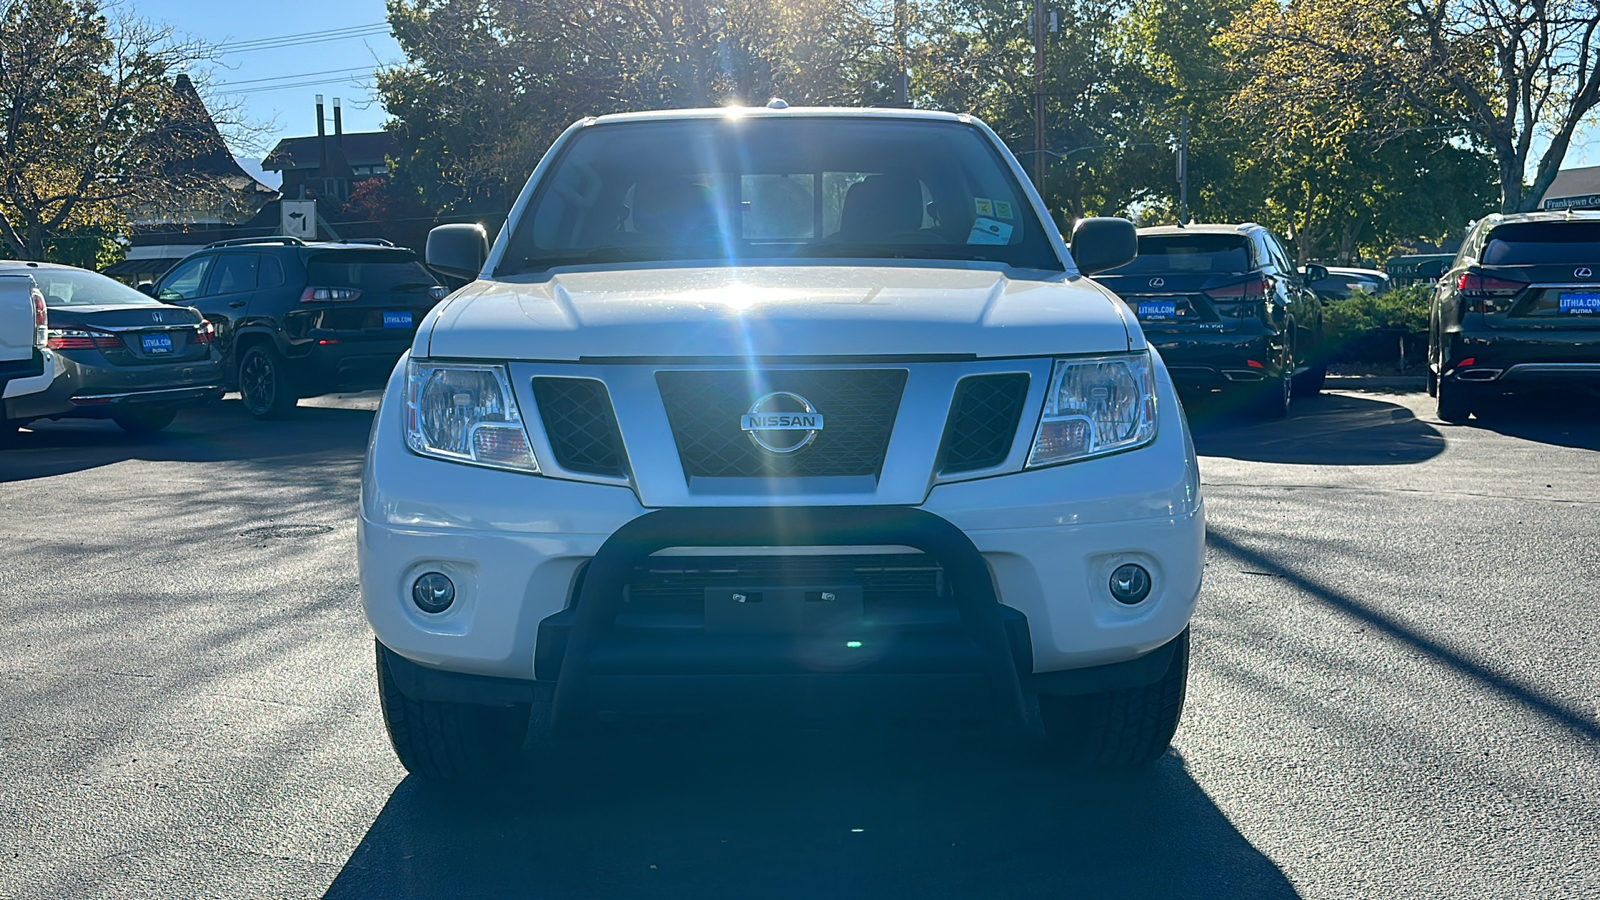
pixel 332 48
pixel 336 46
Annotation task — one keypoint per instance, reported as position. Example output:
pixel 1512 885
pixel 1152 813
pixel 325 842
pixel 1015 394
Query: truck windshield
pixel 733 188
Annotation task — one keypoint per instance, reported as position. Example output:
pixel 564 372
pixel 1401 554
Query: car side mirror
pixel 148 288
pixel 1103 243
pixel 458 250
pixel 1313 273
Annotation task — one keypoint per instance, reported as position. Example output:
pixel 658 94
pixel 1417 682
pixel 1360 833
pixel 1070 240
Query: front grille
pixel 667 591
pixel 858 407
pixel 983 421
pixel 581 426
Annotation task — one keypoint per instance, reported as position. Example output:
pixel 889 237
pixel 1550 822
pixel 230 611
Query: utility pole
pixel 902 79
pixel 1039 156
pixel 1183 167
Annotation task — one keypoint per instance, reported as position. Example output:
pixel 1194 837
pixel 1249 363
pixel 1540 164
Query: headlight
pixel 1095 406
pixel 466 413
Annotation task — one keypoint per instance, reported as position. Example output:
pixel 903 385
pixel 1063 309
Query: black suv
pixel 1228 312
pixel 297 320
pixel 1519 307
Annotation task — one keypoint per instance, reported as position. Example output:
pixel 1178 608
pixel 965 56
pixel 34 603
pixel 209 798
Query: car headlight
pixel 466 413
pixel 1094 406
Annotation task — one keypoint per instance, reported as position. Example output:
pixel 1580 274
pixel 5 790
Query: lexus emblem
pixel 781 422
pixel 1584 272
pixel 1158 282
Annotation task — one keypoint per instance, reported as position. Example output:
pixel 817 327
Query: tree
pixel 488 84
pixel 1501 73
pixel 83 99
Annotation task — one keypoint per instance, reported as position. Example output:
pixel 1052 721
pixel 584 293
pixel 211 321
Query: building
pixel 212 198
pixel 327 167
pixel 1574 189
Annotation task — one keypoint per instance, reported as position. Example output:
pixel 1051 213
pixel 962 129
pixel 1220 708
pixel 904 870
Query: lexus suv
pixel 1519 308
pixel 779 413
pixel 297 320
pixel 1229 312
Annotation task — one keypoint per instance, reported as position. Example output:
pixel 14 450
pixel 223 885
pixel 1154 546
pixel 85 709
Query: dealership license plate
pixel 1581 304
pixel 1159 310
pixel 397 320
pixel 158 343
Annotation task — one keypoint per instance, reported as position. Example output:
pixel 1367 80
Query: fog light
pixel 1130 584
pixel 433 592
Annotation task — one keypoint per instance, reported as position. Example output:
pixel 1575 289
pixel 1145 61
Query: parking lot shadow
pixel 221 432
pixel 810 818
pixel 1329 429
pixel 1558 419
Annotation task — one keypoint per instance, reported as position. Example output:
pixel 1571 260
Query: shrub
pixel 1370 329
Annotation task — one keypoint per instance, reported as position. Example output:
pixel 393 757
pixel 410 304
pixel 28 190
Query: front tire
pixel 136 420
pixel 450 742
pixel 1310 382
pixel 1455 401
pixel 264 385
pixel 1130 727
pixel 1273 401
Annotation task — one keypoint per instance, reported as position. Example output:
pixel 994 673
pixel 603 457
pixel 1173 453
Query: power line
pixel 354 70
pixel 306 37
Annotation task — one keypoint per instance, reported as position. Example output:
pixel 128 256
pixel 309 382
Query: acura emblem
pixel 1158 282
pixel 781 422
pixel 1584 272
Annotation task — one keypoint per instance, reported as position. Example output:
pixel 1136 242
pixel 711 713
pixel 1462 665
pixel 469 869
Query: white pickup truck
pixel 26 366
pixel 779 413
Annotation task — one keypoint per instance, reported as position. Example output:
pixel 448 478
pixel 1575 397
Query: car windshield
pixel 1532 243
pixel 79 287
pixel 1205 253
pixel 774 188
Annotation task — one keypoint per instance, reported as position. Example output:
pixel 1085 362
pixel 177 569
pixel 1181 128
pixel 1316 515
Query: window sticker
pixel 1003 209
pixel 988 231
pixel 985 206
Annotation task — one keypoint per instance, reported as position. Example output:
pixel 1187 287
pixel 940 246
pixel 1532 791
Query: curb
pixel 1377 382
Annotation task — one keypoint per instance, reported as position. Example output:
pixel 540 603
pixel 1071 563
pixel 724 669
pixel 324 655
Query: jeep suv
pixel 1518 309
pixel 779 413
pixel 297 320
pixel 1228 312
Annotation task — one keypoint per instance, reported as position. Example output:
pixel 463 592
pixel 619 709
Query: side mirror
pixel 458 250
pixel 1100 244
pixel 1313 273
pixel 148 288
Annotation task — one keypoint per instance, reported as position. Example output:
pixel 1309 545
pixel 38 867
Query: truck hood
pixel 793 310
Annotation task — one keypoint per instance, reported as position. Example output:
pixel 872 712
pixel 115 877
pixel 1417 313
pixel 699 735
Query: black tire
pixel 143 420
pixel 1433 383
pixel 1455 401
pixel 264 386
pixel 1310 382
pixel 1129 727
pixel 1273 400
pixel 450 742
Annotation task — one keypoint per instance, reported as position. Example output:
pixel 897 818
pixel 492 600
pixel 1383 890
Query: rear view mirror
pixel 458 250
pixel 1100 244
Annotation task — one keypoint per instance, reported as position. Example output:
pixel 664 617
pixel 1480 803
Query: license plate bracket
pixel 157 344
pixel 1158 310
pixel 1580 304
pixel 784 608
pixel 397 320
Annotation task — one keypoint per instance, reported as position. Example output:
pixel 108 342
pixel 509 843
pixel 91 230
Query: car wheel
pixel 1273 400
pixel 1310 382
pixel 263 384
pixel 1129 727
pixel 450 742
pixel 1455 401
pixel 1433 383
pixel 142 420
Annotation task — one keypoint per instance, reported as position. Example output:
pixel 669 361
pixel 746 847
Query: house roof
pixel 361 148
pixel 1574 185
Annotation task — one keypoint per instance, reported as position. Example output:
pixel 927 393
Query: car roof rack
pixel 375 242
pixel 239 242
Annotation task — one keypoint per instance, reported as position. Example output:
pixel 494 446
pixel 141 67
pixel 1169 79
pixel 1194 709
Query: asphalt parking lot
pixel 1396 692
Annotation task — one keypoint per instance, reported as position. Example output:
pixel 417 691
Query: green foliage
pixel 1368 328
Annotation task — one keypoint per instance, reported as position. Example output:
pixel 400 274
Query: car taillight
pixel 206 334
pixel 329 295
pixel 41 322
pixel 68 339
pixel 1487 294
pixel 1242 300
